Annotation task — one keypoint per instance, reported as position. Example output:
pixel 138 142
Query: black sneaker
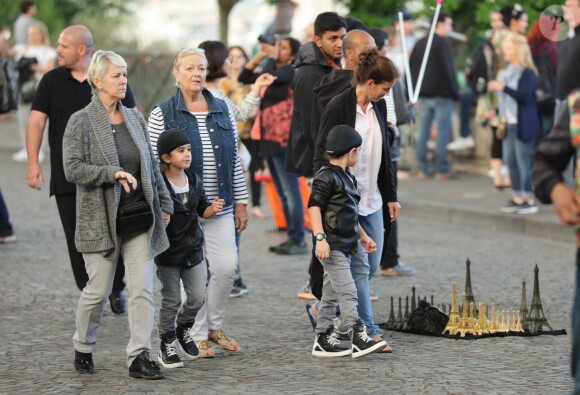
pixel 7 236
pixel 118 302
pixel 281 245
pixel 362 344
pixel 143 368
pixel 293 248
pixel 186 341
pixel 326 345
pixel 84 363
pixel 168 357
pixel 510 207
pixel 527 208
pixel 239 289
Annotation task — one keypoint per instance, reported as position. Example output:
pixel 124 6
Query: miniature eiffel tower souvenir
pixel 468 290
pixel 454 320
pixel 465 327
pixel 536 320
pixel 524 306
pixel 482 321
pixel 493 326
pixel 413 304
pixel 400 322
pixel 391 320
pixel 406 316
pixel 518 327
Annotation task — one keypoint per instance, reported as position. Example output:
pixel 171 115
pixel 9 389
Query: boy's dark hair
pixel 216 53
pixel 373 66
pixel 442 17
pixel 379 35
pixel 328 22
pixel 163 166
pixel 25 6
pixel 354 23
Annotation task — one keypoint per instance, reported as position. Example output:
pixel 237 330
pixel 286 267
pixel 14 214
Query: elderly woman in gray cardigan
pixel 106 153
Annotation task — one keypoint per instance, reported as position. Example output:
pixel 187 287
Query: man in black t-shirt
pixel 62 92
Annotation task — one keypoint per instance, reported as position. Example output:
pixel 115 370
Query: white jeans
pixel 139 268
pixel 222 259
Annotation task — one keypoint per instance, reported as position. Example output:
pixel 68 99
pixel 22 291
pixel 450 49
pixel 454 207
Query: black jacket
pixel 334 190
pixel 342 111
pixel 311 66
pixel 568 75
pixel 439 79
pixel 552 156
pixel 184 233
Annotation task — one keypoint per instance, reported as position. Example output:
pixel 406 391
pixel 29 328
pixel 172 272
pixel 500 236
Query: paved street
pixel 441 225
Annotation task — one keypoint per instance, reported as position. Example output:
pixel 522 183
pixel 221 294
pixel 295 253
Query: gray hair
pixel 187 52
pixel 100 63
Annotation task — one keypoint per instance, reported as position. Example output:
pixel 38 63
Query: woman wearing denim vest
pixel 518 110
pixel 211 130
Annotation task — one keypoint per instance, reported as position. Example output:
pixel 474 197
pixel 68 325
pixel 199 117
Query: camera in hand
pixel 267 39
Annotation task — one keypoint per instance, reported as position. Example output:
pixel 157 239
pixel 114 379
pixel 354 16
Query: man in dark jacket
pixel 438 90
pixel 548 162
pixel 315 59
pixel 567 77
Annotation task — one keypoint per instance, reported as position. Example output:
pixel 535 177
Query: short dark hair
pixel 442 17
pixel 216 53
pixel 294 45
pixel 25 6
pixel 379 35
pixel 372 66
pixel 353 23
pixel 328 22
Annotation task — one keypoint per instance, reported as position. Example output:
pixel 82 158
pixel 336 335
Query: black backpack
pixel 546 90
pixel 478 67
pixel 8 87
pixel 427 320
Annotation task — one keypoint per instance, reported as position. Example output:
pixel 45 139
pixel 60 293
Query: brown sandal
pixel 388 349
pixel 226 343
pixel 205 349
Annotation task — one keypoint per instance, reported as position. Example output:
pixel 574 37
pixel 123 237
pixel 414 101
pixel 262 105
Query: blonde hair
pixel 522 51
pixel 100 63
pixel 42 27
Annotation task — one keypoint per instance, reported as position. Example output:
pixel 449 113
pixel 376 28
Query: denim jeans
pixel 518 157
pixel 576 329
pixel 5 225
pixel 438 109
pixel 338 287
pixel 286 184
pixel 172 311
pixel 363 266
pixel 467 100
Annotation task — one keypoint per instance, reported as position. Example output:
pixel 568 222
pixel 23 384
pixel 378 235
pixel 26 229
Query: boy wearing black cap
pixel 181 261
pixel 333 210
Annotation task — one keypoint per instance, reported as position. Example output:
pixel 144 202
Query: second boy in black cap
pixel 333 210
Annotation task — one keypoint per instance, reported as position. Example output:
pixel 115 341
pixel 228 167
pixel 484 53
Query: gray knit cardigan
pixel 90 161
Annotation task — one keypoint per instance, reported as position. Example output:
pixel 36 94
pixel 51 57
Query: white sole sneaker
pixel 169 365
pixel 317 351
pixel 357 353
pixel 186 355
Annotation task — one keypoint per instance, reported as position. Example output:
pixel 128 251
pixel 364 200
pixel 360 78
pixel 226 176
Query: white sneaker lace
pixel 170 349
pixel 187 337
pixel 333 340
pixel 364 337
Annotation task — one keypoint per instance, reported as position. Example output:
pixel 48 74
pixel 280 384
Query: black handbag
pixel 134 218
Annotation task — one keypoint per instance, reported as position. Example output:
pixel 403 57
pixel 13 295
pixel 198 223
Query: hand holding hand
pixel 126 180
pixel 217 204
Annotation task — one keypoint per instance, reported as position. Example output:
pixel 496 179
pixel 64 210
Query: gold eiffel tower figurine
pixel 465 327
pixel 518 327
pixel 493 326
pixel 481 327
pixel 454 321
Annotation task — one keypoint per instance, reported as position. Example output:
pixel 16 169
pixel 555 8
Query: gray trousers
pixel 337 285
pixel 136 252
pixel 171 308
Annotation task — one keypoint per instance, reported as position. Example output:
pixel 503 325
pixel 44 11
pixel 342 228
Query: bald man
pixel 62 92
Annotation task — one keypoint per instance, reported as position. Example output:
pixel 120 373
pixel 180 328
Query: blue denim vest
pixel 221 133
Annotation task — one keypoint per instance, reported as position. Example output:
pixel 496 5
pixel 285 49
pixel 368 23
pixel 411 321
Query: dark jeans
pixel 390 256
pixel 467 101
pixel 286 184
pixel 576 329
pixel 256 164
pixel 68 216
pixel 5 225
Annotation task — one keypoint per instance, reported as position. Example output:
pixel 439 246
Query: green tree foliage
pixel 57 14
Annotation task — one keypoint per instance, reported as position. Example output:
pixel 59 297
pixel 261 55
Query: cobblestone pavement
pixel 38 299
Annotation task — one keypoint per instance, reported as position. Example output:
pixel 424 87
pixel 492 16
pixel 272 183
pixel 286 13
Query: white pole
pixel 426 55
pixel 405 57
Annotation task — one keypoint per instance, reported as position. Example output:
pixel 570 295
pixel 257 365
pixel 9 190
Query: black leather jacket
pixel 334 190
pixel 184 233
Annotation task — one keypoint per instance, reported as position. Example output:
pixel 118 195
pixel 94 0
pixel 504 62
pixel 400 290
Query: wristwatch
pixel 320 236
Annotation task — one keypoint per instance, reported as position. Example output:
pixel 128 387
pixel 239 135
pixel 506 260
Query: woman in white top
pixel 38 47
